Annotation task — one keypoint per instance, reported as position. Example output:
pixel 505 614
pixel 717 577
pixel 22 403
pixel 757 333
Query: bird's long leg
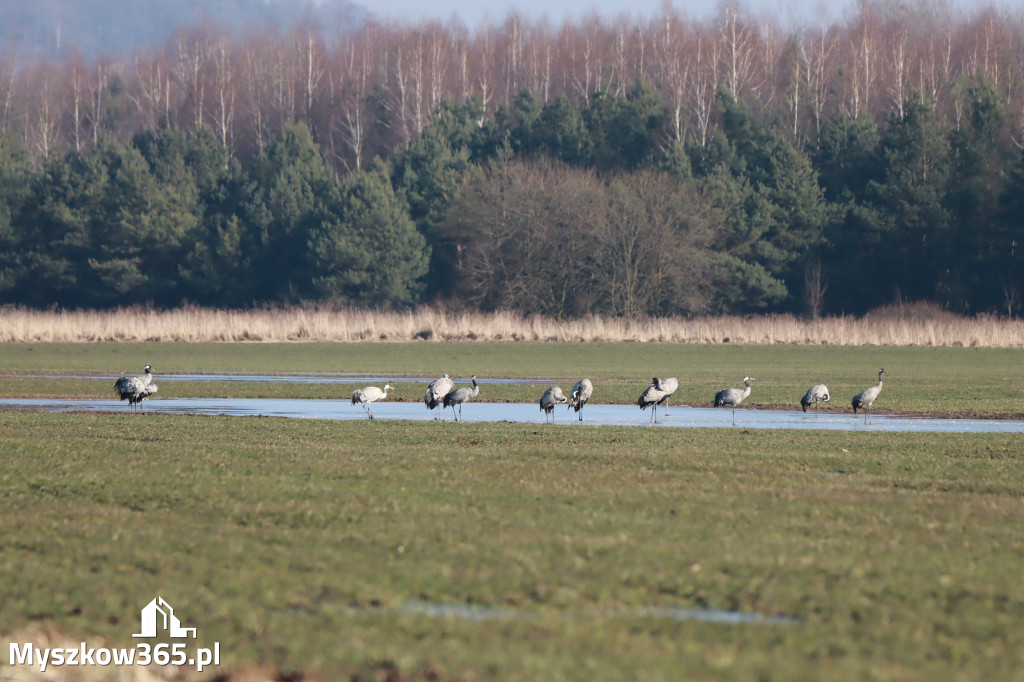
pixel 734 416
pixel 666 408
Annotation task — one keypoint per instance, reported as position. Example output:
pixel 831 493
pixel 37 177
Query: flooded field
pixel 594 415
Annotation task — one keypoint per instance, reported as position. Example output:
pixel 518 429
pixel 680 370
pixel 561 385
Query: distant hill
pixel 92 27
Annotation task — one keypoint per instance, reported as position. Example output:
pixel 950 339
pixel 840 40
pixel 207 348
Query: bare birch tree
pixel 79 102
pixel 44 112
pixel 704 83
pixel 739 50
pixel 865 46
pixel 223 114
pixel 353 120
pixel 310 56
pixel 151 94
pixel 816 56
pixel 192 53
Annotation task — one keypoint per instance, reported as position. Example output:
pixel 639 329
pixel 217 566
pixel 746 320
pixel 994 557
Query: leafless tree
pixel 670 52
pixel 816 54
pixel 79 102
pixel 44 111
pixel 739 51
pixel 257 75
pixel 192 51
pixel 514 54
pixel 815 288
pixel 98 86
pixel 353 120
pixel 310 55
pixel 8 81
pixel 151 93
pixel 704 83
pixel 223 114
pixel 865 48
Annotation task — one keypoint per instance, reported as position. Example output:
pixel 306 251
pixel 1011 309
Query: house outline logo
pixel 170 622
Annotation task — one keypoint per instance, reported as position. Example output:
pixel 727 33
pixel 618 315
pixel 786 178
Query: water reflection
pixel 599 415
pixel 480 613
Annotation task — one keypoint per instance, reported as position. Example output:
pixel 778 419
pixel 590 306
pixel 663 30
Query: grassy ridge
pixel 297 542
pixel 974 381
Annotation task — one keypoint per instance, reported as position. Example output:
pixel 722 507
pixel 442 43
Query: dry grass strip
pixel 915 325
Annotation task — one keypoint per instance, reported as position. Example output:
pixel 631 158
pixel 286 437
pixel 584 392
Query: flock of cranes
pixel 442 393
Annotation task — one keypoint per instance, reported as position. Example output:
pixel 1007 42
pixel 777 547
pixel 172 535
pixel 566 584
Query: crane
pixel 581 392
pixel 815 394
pixel 551 397
pixel 136 389
pixel 864 399
pixel 668 386
pixel 652 397
pixel 733 397
pixel 436 392
pixel 460 396
pixel 368 395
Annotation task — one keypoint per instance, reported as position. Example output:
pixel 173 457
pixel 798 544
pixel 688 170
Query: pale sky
pixel 473 13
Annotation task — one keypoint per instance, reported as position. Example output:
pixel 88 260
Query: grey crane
pixel 551 397
pixel 733 397
pixel 136 389
pixel 864 399
pixel 581 392
pixel 668 386
pixel 817 393
pixel 436 392
pixel 368 395
pixel 653 396
pixel 460 396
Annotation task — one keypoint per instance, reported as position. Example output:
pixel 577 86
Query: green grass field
pixel 313 545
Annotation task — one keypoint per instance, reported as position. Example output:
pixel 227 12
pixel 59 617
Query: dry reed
pixel 893 326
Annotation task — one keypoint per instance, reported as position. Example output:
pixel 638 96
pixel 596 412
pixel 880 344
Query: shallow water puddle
pixel 479 613
pixel 529 413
